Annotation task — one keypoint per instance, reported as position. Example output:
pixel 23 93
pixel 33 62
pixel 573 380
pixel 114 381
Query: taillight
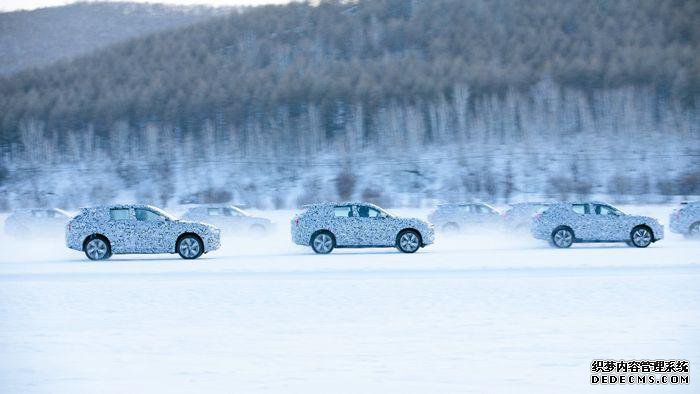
pixel 296 221
pixel 68 226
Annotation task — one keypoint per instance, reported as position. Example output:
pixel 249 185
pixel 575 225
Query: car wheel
pixel 408 241
pixel 97 248
pixel 257 230
pixel 190 247
pixel 694 230
pixel 562 237
pixel 641 236
pixel 323 242
pixel 450 228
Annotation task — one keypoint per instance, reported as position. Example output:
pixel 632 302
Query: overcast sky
pixel 11 5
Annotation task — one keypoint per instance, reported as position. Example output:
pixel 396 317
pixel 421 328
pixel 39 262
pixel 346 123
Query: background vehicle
pixel 123 229
pixel 229 219
pixel 36 222
pixel 461 217
pixel 686 220
pixel 563 224
pixel 327 226
pixel 519 215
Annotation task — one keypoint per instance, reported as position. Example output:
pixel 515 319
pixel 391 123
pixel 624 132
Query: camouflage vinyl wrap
pixel 590 226
pixel 685 218
pixel 135 236
pixel 356 231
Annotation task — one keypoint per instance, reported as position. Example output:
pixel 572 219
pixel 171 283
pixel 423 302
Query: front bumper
pixel 213 241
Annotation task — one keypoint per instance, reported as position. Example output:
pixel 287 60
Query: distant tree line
pixel 394 101
pixel 245 66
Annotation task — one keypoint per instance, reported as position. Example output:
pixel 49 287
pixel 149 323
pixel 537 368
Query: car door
pixel 486 214
pixel 212 216
pixel 610 224
pixel 153 233
pixel 121 230
pixel 233 218
pixel 374 228
pixel 580 219
pixel 344 226
pixel 466 215
pixel 55 220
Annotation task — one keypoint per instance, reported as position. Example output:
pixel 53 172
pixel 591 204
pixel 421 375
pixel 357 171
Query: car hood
pixel 413 222
pixel 646 219
pixel 195 225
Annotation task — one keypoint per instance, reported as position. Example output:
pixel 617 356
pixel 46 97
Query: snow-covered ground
pixel 475 313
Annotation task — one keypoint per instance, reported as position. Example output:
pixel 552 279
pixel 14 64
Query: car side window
pixel 213 212
pixel 146 215
pixel 119 214
pixel 604 210
pixel 581 209
pixel 231 212
pixel 483 209
pixel 344 211
pixel 367 212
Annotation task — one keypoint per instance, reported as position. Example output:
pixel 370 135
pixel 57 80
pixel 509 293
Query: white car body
pixel 350 227
pixel 36 222
pixel 592 222
pixel 229 219
pixel 131 229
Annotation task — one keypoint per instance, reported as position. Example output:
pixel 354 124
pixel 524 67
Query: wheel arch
pixel 450 223
pixel 643 225
pixel 405 229
pixel 186 233
pixel 692 224
pixel 323 230
pixel 562 227
pixel 93 236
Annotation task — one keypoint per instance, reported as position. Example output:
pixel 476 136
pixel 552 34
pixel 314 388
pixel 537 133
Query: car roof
pixel 212 205
pixel 462 204
pixel 118 206
pixel 338 203
pixel 27 210
pixel 520 204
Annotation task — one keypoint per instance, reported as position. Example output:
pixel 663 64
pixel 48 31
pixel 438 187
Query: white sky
pixel 12 5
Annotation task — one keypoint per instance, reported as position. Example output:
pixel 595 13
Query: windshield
pixel 62 212
pixel 619 212
pixel 385 213
pixel 161 213
pixel 240 211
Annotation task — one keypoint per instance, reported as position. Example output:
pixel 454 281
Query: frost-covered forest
pixel 402 102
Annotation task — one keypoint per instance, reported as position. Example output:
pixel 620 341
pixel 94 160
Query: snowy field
pixel 474 313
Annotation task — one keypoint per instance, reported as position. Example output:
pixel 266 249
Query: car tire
pixel 450 228
pixel 408 241
pixel 257 230
pixel 641 236
pixel 562 237
pixel 694 231
pixel 322 242
pixel 189 246
pixel 97 247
